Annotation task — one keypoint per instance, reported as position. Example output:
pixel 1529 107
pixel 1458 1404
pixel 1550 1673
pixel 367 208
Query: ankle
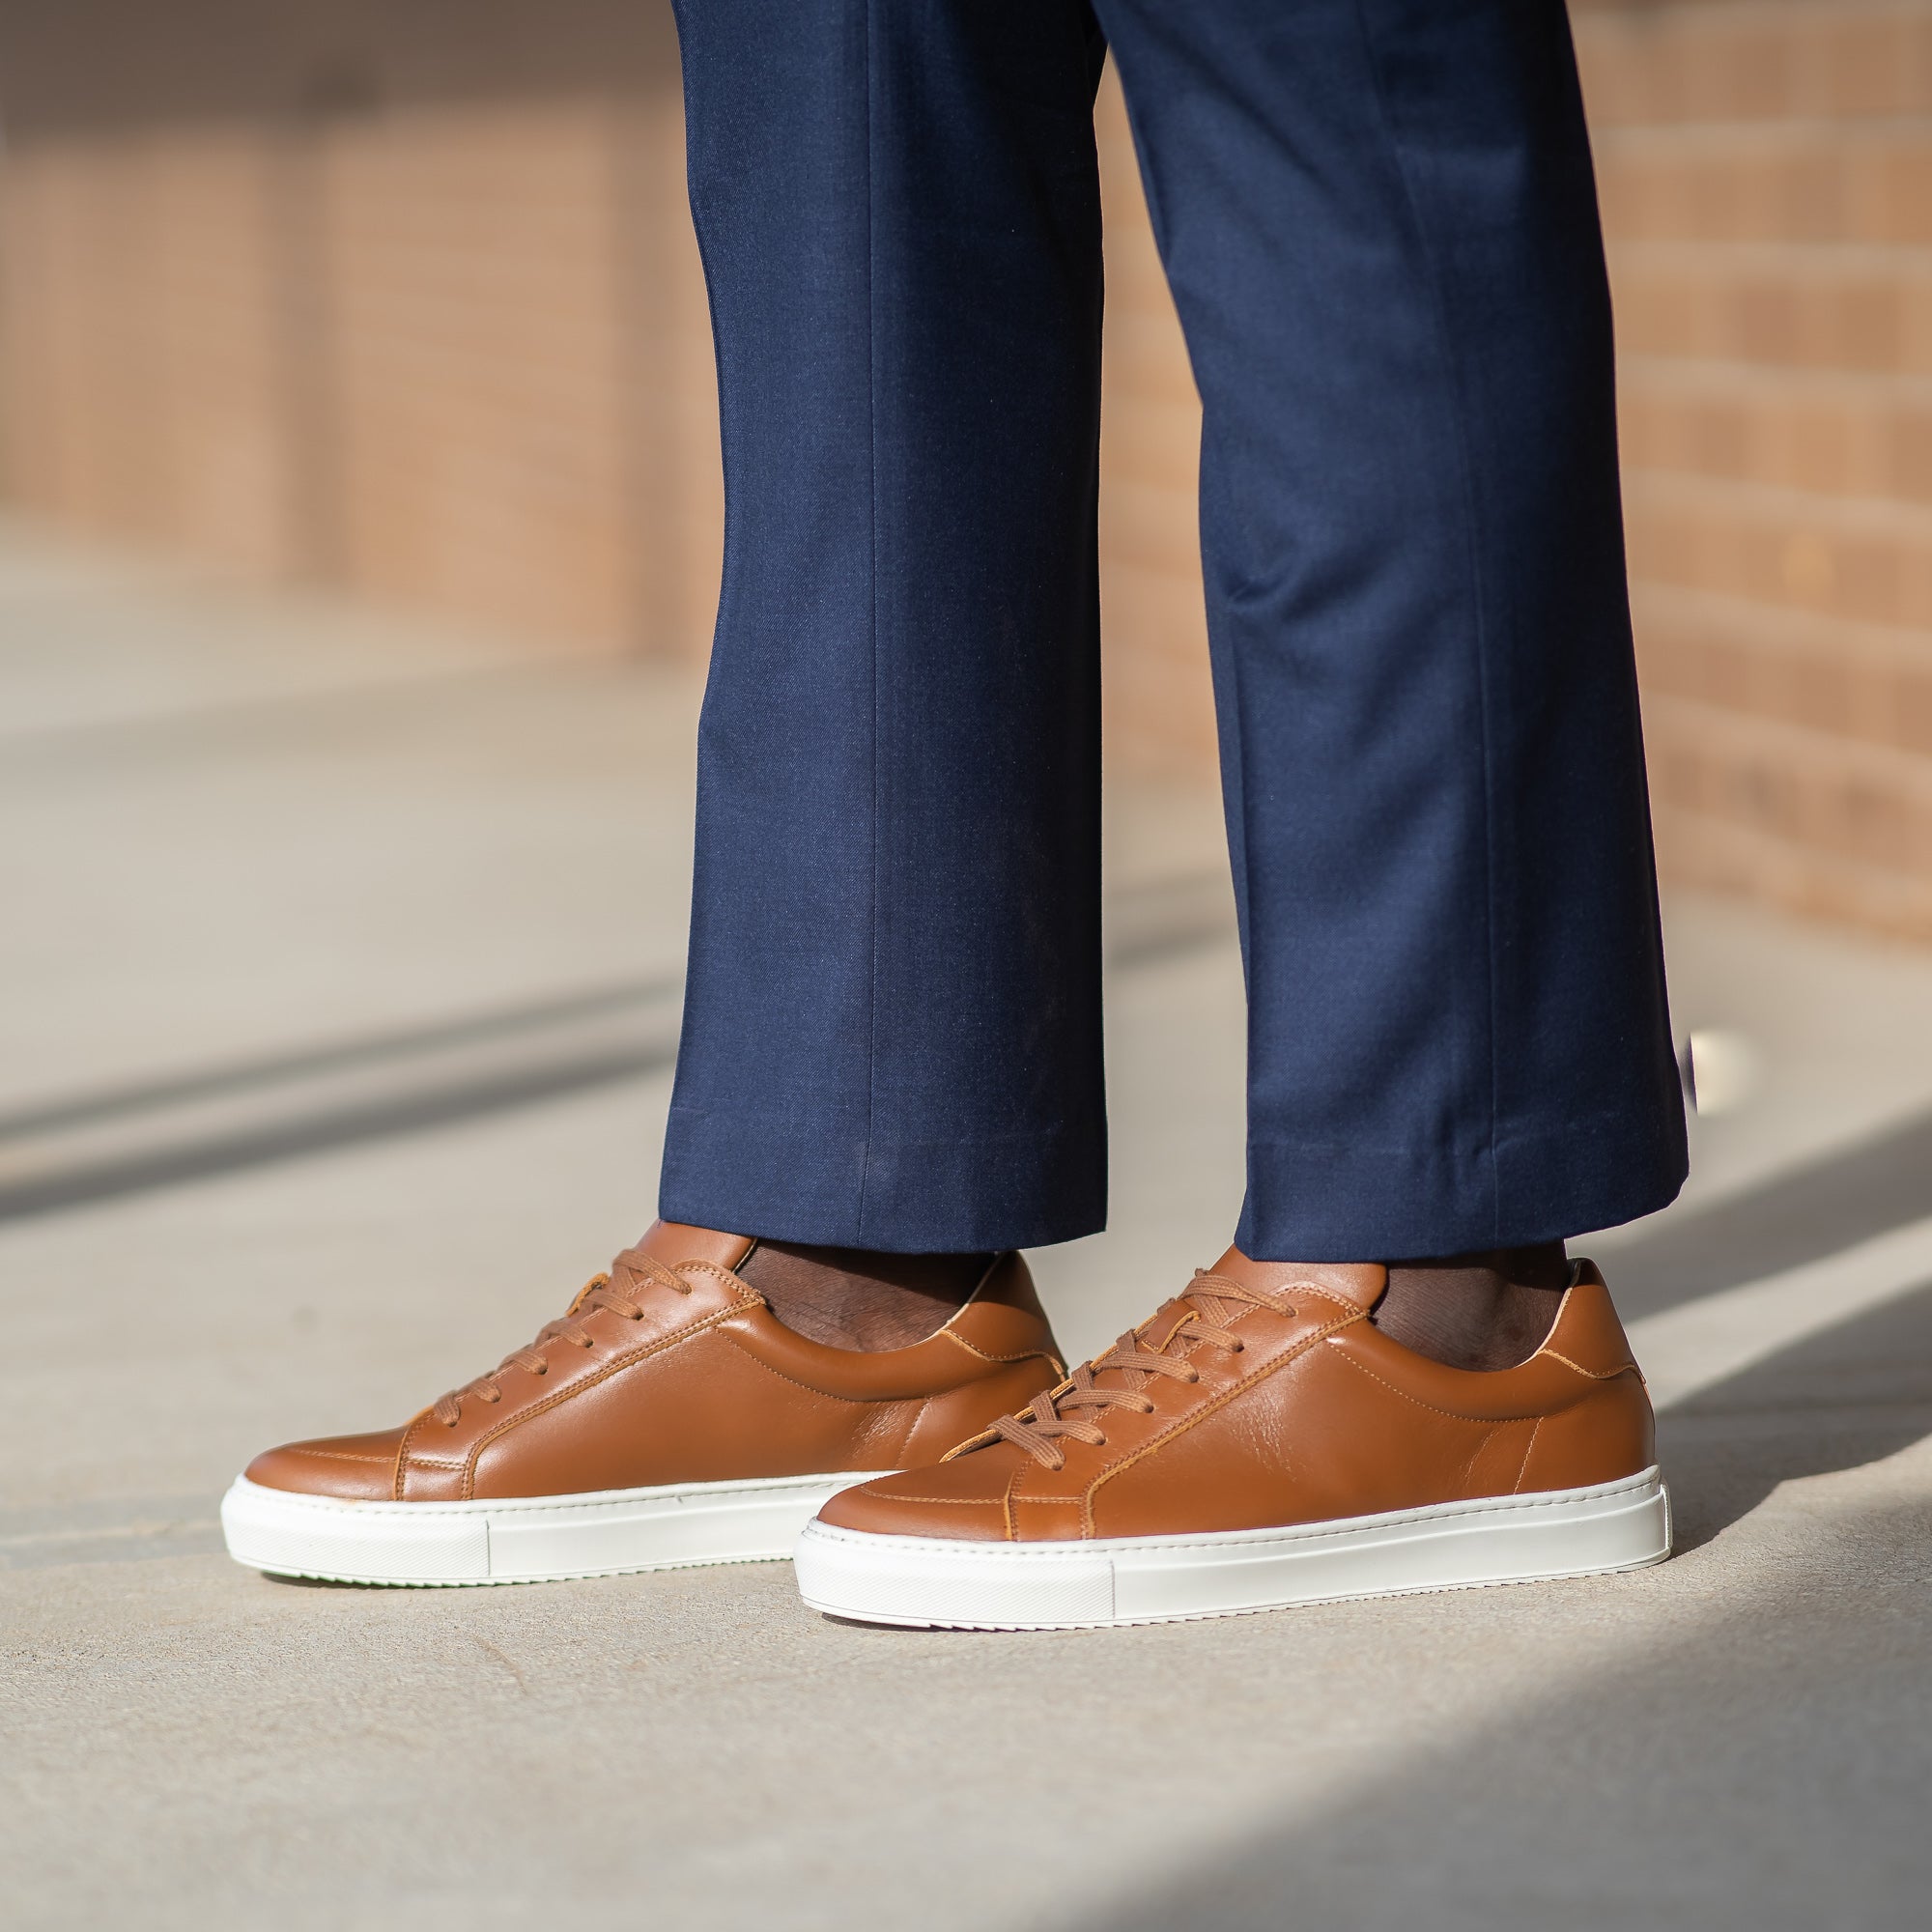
pixel 1489 1310
pixel 856 1298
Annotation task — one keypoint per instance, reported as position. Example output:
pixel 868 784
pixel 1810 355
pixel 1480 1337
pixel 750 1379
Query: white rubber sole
pixel 522 1539
pixel 935 1584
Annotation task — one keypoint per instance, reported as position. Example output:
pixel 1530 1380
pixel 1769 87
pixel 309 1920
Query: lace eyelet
pixel 1237 1347
pixel 1193 1376
pixel 541 1369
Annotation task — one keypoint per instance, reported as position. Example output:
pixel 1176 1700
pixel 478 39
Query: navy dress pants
pixel 1378 221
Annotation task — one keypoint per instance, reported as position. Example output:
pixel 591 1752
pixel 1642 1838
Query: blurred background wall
pixel 399 297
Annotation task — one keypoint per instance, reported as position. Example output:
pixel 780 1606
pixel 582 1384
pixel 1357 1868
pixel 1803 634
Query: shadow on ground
pixel 1876 1185
pixel 1759 1761
pixel 79 1150
pixel 1852 1396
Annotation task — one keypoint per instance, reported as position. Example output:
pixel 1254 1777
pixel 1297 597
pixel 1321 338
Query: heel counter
pixel 1004 1326
pixel 1004 1317
pixel 1587 1332
pixel 1609 1430
pixel 1609 1433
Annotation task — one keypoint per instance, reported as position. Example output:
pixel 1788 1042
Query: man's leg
pixel 892 1036
pixel 1379 222
pixel 889 1077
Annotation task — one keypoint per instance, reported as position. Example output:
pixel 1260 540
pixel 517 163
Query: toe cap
pixel 358 1468
pixel 962 1500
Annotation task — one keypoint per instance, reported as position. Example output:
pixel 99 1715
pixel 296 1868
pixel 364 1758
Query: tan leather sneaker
pixel 667 1418
pixel 1259 1443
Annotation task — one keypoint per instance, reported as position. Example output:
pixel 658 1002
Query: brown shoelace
pixel 633 1269
pixel 1057 1412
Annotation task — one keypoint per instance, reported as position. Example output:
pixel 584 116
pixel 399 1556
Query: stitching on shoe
pixel 615 1366
pixel 1334 1300
pixel 1183 1424
pixel 745 1294
pixel 519 1505
pixel 1453 1414
pixel 831 1395
pixel 912 1429
pixel 1025 1354
pixel 1523 1469
pixel 1298 1532
pixel 959 1502
pixel 1595 1374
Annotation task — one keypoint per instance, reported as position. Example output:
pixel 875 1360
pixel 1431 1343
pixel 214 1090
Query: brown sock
pixel 852 1299
pixel 1483 1311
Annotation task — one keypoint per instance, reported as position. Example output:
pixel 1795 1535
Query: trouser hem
pixel 784 1183
pixel 1316 1201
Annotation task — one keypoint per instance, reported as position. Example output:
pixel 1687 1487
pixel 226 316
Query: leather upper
pixel 703 1384
pixel 1315 1415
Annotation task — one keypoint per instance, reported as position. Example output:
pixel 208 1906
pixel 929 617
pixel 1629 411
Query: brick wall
pixel 1766 174
pixel 1160 709
pixel 400 295
pixel 394 294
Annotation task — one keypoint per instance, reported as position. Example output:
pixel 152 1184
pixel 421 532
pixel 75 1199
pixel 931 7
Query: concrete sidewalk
pixel 336 1001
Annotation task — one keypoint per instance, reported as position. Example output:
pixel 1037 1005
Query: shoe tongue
pixel 1361 1284
pixel 674 1241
